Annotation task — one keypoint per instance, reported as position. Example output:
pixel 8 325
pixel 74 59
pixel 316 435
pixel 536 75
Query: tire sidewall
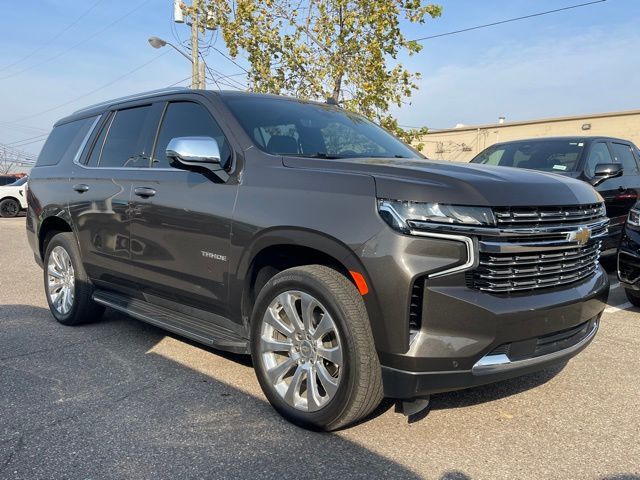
pixel 305 282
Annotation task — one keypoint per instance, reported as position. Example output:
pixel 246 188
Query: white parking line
pixel 615 285
pixel 618 308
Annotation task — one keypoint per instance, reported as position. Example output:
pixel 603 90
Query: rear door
pixel 181 224
pixel 101 183
pixel 629 183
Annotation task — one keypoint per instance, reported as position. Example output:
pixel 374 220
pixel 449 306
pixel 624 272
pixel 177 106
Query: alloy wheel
pixel 60 280
pixel 301 350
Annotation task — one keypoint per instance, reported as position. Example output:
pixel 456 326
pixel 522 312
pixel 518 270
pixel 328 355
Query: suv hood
pixel 459 183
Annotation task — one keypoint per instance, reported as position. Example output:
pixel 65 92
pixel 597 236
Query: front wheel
pixel 313 349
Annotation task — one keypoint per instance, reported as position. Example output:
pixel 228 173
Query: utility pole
pixel 195 59
pixel 198 76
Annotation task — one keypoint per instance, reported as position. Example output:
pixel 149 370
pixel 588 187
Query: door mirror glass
pixel 604 171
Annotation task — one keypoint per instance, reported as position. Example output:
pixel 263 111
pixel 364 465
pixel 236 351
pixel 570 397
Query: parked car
pixel 13 198
pixel 346 264
pixel 609 164
pixel 8 179
pixel 629 257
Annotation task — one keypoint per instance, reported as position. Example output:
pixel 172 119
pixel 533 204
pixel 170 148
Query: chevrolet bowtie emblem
pixel 580 236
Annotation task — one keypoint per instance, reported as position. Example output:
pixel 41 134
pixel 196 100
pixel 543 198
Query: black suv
pixel 611 165
pixel 345 263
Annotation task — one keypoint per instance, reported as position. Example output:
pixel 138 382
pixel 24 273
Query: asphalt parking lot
pixel 122 399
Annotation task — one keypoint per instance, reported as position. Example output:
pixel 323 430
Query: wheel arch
pixel 48 228
pixel 281 248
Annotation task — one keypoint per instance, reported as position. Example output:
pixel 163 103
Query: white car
pixel 13 198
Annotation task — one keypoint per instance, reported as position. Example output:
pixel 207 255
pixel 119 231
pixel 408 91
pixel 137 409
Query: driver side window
pixel 599 153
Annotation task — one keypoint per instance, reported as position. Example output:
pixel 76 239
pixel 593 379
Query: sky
pixel 60 55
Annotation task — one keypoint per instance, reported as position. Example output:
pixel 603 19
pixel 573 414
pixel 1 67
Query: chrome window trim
pixel 472 258
pixel 76 157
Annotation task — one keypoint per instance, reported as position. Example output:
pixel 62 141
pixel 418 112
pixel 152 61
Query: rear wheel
pixel 69 290
pixel 633 296
pixel 313 349
pixel 9 208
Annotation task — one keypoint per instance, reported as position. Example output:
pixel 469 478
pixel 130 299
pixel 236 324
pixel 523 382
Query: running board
pixel 197 329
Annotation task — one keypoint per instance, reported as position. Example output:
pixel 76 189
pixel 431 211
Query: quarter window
pixel 187 119
pixel 126 144
pixel 64 142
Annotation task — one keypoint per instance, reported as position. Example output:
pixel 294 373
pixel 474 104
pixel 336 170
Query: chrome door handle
pixel 81 187
pixel 144 192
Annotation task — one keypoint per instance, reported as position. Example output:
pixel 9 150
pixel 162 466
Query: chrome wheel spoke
pixel 293 392
pixel 329 383
pixel 278 372
pixel 325 326
pixel 287 300
pixel 273 319
pixel 314 401
pixel 270 345
pixel 308 305
pixel 334 354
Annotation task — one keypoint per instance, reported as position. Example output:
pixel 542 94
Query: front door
pixel 181 220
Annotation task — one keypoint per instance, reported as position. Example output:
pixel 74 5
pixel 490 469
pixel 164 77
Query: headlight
pixel 402 216
pixel 634 217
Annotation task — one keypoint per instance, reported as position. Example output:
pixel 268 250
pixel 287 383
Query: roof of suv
pixel 566 138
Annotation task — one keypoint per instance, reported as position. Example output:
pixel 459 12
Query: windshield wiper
pixel 330 156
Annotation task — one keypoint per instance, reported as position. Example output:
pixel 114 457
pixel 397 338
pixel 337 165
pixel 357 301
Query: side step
pixel 197 329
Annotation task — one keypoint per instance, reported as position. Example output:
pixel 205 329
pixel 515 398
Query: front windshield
pixel 545 155
pixel 291 127
pixel 19 182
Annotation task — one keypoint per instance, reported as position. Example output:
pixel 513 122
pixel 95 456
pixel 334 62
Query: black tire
pixel 83 309
pixel 360 389
pixel 9 208
pixel 633 296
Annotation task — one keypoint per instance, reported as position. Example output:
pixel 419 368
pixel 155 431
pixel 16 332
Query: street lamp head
pixel 156 42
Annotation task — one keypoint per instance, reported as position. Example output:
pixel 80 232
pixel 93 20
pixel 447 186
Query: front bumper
pixel 629 259
pixel 471 338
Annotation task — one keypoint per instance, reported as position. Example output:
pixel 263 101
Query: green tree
pixel 343 50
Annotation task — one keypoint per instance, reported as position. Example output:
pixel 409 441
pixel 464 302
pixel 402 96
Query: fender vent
pixel 415 307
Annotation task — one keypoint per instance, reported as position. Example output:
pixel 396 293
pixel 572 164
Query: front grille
pixel 508 272
pixel 531 217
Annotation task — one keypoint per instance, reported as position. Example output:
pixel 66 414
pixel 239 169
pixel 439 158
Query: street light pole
pixel 197 68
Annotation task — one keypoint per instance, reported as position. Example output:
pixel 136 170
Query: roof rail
pixel 136 96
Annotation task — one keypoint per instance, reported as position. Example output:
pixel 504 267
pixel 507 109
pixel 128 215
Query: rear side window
pixel 126 143
pixel 624 155
pixel 187 119
pixel 64 141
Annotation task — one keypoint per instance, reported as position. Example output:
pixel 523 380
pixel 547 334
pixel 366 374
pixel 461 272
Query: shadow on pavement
pixel 105 401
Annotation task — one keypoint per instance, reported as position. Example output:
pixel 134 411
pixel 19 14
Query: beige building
pixel 463 143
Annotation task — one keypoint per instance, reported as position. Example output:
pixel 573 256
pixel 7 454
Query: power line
pixel 96 89
pixel 477 27
pixel 75 45
pixel 55 37
pixel 27 141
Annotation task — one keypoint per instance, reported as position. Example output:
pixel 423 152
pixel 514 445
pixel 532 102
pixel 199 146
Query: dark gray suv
pixel 346 264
